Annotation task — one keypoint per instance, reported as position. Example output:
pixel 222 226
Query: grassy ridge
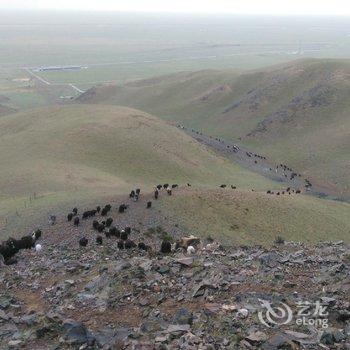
pixel 63 154
pixel 296 113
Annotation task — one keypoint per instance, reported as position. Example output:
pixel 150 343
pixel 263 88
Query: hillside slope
pixel 297 113
pixel 73 153
pixel 4 110
pixel 245 217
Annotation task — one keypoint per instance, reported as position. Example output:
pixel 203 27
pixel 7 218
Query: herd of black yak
pixel 10 247
pixel 106 227
pixel 281 169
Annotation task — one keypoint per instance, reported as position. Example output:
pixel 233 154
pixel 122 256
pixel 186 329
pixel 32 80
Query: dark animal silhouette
pixel 122 208
pixel 129 244
pixel 83 242
pixel 142 246
pixel 123 235
pixel 109 222
pixel 165 247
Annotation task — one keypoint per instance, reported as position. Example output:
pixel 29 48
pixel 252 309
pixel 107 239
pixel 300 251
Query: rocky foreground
pixel 71 297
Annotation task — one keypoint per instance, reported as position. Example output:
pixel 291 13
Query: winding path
pixel 258 163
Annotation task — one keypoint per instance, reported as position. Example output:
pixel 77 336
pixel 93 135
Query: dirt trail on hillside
pixel 260 164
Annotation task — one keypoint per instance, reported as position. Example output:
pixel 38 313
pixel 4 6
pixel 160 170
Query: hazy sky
pixel 275 7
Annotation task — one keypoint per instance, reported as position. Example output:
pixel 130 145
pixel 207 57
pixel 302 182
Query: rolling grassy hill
pixel 245 217
pixel 83 155
pixel 297 113
pixel 65 154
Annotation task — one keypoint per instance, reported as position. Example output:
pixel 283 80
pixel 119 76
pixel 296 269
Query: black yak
pixel 37 234
pixel 129 244
pixel 122 208
pixel 123 235
pixel 142 246
pixel 165 247
pixel 9 248
pixel 104 211
pixel 109 222
pixel 174 186
pixel 100 228
pixel 89 213
pixel 83 242
pixel 156 194
pixel 75 211
pixel 26 242
pixel 113 231
pixel 52 220
pixel 121 245
pixel 149 205
pixel 99 240
pixel 98 209
pixel 70 217
pixel 76 221
pixel 132 194
pixel 95 224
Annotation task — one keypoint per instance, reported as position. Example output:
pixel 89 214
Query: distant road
pixel 36 76
pixel 76 88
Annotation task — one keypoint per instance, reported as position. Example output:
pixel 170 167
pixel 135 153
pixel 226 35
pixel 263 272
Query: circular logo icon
pixel 275 315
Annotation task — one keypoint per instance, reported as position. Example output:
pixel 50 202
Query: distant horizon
pixel 273 8
pixel 175 14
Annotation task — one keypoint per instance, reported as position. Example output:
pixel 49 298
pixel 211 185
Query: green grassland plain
pixel 125 47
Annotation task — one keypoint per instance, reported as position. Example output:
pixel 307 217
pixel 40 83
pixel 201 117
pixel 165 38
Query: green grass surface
pixel 18 91
pixel 62 154
pixel 307 102
pixel 243 217
pixel 123 47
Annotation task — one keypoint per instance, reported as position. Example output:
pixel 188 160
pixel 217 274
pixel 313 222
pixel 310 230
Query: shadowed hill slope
pixel 297 113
